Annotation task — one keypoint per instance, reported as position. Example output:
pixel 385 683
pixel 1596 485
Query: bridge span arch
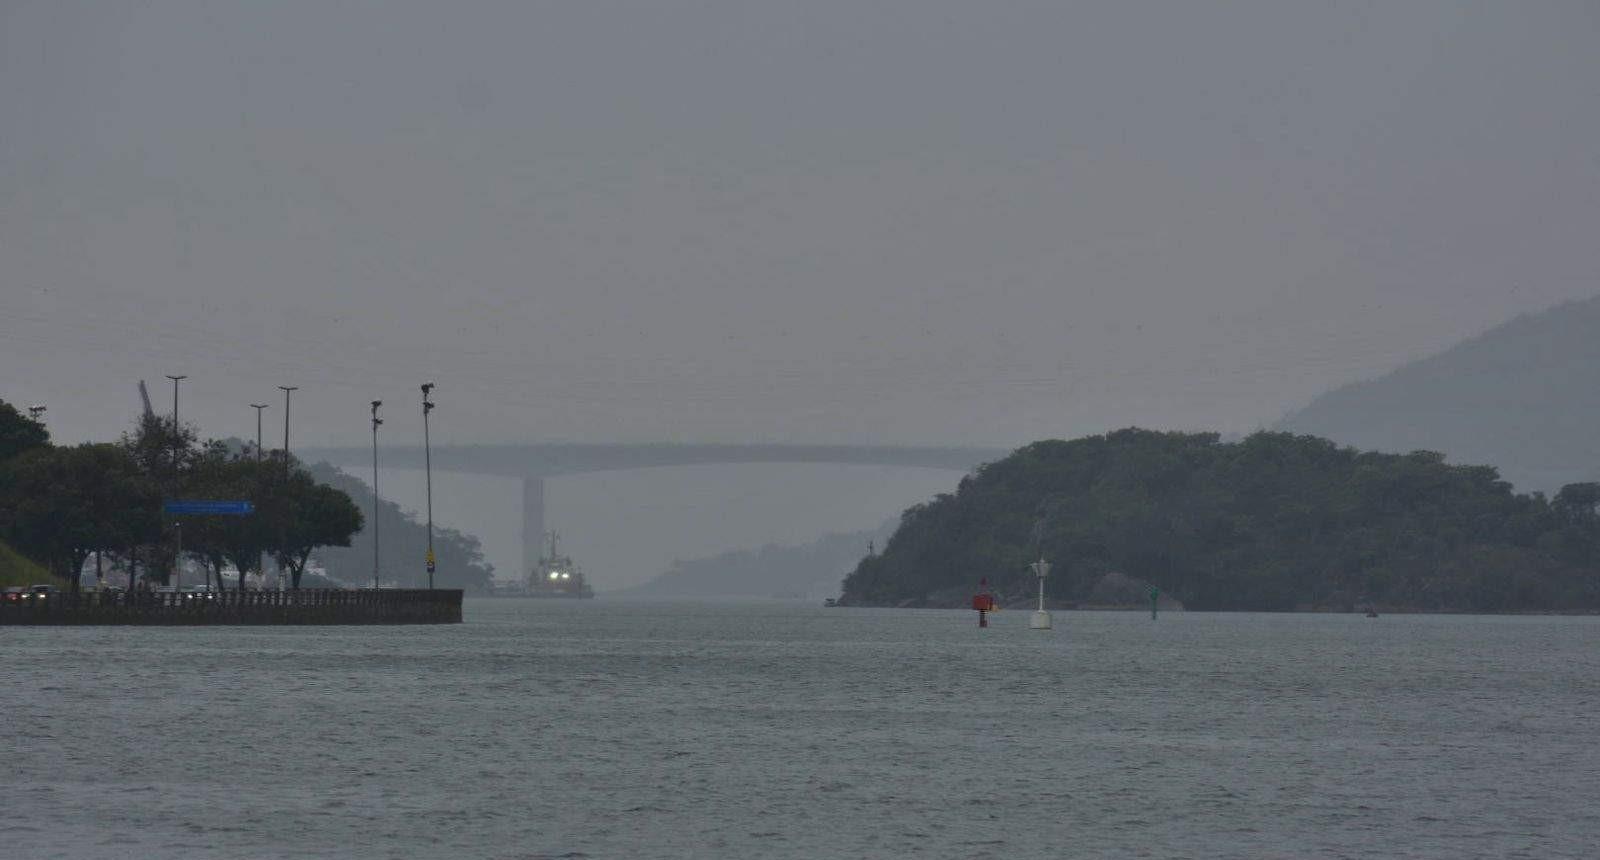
pixel 534 463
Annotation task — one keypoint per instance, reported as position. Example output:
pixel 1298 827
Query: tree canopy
pixel 60 504
pixel 1272 522
pixel 19 433
pixel 64 503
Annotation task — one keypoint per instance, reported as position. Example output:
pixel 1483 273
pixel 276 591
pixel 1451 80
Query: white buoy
pixel 1041 618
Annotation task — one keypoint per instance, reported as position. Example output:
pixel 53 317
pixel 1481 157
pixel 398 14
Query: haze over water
pixel 612 729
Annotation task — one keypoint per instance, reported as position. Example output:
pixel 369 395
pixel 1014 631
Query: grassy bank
pixel 17 570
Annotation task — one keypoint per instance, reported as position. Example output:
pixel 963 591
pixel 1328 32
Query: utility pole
pixel 261 554
pixel 35 411
pixel 375 422
pixel 427 468
pixel 177 439
pixel 284 574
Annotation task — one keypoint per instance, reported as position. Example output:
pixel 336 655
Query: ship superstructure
pixel 556 575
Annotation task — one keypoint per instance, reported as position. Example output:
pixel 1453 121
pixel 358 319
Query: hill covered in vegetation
pixel 17 570
pixel 1521 396
pixel 1272 522
pixel 405 544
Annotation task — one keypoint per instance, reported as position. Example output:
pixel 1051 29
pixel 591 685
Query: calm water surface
pixel 608 729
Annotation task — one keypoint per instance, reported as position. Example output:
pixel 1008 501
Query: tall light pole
pixel 286 389
pixel 261 554
pixel 427 468
pixel 177 437
pixel 35 411
pixel 258 407
pixel 283 574
pixel 375 422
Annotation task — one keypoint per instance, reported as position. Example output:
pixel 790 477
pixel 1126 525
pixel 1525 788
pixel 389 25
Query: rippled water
pixel 608 729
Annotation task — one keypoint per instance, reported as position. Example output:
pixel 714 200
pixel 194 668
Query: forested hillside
pixel 405 545
pixel 1272 522
pixel 1522 397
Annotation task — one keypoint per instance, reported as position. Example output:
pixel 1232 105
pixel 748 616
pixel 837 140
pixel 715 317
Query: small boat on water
pixel 555 575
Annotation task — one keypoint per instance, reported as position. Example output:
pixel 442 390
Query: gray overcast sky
pixel 932 221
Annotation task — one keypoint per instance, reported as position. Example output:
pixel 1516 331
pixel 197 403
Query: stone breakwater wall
pixel 307 606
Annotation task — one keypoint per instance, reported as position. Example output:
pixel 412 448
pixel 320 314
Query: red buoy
pixel 983 601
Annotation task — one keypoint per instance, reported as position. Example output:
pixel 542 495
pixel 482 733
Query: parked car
pixel 14 594
pixel 43 592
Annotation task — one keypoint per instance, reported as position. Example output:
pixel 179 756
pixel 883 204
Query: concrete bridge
pixel 534 463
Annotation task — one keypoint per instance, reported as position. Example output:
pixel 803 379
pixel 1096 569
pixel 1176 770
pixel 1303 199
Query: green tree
pixel 308 515
pixel 219 472
pixel 165 453
pixel 19 433
pixel 1577 503
pixel 65 503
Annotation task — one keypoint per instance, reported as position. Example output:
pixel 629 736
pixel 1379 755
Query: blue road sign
pixel 208 506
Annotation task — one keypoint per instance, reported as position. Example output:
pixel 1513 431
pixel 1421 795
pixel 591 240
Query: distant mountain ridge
pixel 1523 396
pixel 811 571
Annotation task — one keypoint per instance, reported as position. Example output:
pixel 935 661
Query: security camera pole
pixel 261 554
pixel 283 575
pixel 427 466
pixel 375 422
pixel 177 440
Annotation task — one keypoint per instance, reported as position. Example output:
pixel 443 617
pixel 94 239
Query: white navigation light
pixel 1041 618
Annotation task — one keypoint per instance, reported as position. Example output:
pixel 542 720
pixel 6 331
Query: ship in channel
pixel 553 576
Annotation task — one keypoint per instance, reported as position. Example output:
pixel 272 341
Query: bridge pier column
pixel 532 523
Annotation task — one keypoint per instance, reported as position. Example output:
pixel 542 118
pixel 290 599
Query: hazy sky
pixel 945 222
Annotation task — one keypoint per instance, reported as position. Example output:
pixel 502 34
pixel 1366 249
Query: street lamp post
pixel 176 435
pixel 284 574
pixel 427 468
pixel 177 438
pixel 286 389
pixel 261 554
pixel 258 407
pixel 375 422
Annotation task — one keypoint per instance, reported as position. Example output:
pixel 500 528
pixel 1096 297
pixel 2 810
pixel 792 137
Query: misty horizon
pixel 818 224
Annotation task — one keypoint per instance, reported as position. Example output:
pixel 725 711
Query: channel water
pixel 545 729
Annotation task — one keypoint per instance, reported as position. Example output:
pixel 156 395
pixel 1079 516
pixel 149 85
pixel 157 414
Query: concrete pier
pixel 307 606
